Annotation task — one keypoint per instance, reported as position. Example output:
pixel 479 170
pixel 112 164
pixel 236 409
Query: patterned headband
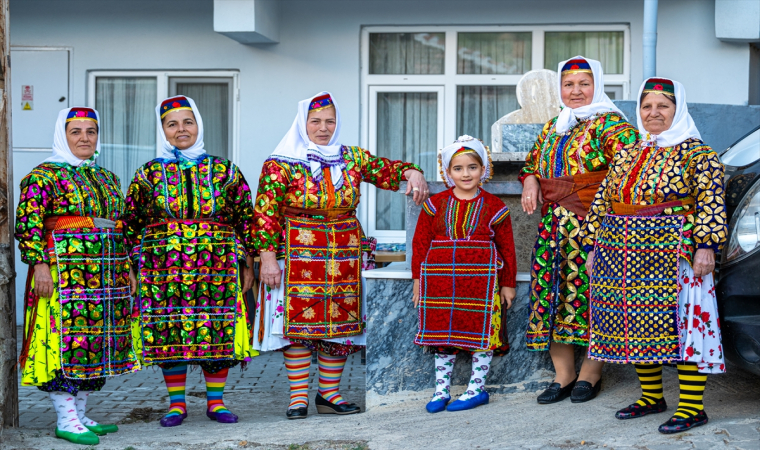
pixel 82 114
pixel 320 103
pixel 659 86
pixel 576 66
pixel 174 104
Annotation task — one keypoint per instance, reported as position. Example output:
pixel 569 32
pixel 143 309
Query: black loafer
pixel 583 391
pixel 635 410
pixel 679 424
pixel 297 413
pixel 555 393
pixel 325 407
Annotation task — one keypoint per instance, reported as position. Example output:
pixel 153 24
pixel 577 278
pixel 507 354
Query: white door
pixel 42 75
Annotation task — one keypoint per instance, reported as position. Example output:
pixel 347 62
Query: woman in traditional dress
pixel 464 271
pixel 310 245
pixel 189 223
pixel 658 220
pixel 564 169
pixel 77 322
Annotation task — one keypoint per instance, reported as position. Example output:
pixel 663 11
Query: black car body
pixel 738 271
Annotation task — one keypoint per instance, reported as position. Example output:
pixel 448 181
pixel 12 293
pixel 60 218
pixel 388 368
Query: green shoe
pixel 86 438
pixel 103 429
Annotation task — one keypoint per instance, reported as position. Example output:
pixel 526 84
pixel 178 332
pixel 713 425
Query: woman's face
pixel 657 113
pixel 82 136
pixel 180 128
pixel 320 126
pixel 577 89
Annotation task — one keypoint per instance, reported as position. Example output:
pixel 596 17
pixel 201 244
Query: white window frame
pixel 162 92
pixel 449 82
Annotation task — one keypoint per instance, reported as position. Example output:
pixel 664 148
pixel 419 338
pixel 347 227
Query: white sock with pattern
pixel 82 406
pixel 444 364
pixel 481 364
pixel 66 408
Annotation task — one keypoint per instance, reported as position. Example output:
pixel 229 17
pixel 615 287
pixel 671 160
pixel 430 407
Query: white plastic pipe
pixel 650 38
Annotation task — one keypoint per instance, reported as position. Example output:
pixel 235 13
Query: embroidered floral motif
pixel 306 237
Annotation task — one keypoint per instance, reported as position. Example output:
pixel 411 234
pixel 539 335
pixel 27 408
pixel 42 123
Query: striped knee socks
pixel 297 362
pixel 215 390
pixel 330 371
pixel 650 377
pixel 692 385
pixel 175 379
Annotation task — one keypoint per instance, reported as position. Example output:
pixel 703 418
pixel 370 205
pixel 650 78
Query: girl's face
pixel 466 172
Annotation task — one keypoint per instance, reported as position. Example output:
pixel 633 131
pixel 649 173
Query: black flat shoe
pixel 583 391
pixel 297 413
pixel 555 393
pixel 635 410
pixel 325 407
pixel 679 424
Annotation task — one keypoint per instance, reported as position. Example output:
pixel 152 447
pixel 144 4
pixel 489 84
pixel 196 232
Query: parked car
pixel 738 271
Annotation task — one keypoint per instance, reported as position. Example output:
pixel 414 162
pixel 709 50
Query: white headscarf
pixel 681 129
pixel 195 152
pixel 568 117
pixel 296 146
pixel 470 142
pixel 61 151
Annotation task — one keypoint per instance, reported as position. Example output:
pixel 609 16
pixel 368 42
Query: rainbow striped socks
pixel 215 391
pixel 175 379
pixel 330 371
pixel 297 362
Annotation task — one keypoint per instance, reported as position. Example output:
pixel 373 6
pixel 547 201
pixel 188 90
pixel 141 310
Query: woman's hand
pixel 531 194
pixel 416 184
pixel 132 282
pixel 43 281
pixel 590 263
pixel 248 274
pixel 416 292
pixel 507 295
pixel 704 262
pixel 270 270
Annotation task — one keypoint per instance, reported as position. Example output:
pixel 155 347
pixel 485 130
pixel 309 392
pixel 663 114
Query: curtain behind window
pixel 406 53
pixel 478 107
pixel 604 46
pixel 493 53
pixel 407 130
pixel 213 102
pixel 128 124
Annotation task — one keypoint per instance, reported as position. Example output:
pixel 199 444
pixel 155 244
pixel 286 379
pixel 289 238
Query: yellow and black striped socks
pixel 692 384
pixel 650 377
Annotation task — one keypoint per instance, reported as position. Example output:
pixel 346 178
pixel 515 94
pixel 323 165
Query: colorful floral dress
pixel 559 285
pixel 69 217
pixel 190 227
pixel 463 254
pixel 319 304
pixel 671 200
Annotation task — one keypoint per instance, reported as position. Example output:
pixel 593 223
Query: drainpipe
pixel 650 38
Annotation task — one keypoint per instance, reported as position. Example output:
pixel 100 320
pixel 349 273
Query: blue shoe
pixel 461 405
pixel 436 406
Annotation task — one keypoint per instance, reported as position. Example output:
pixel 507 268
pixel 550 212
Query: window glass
pixel 604 46
pixel 407 130
pixel 478 107
pixel 213 102
pixel 128 126
pixel 406 53
pixel 493 53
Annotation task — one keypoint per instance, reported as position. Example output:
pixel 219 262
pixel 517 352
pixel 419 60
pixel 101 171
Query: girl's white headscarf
pixel 195 152
pixel 467 142
pixel 681 129
pixel 61 151
pixel 296 146
pixel 568 117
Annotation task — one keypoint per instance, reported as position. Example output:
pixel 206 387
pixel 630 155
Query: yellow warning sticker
pixel 27 106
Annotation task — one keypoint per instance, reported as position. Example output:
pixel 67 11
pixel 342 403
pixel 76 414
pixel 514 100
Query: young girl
pixel 464 268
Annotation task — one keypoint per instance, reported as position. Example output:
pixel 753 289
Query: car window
pixel 744 152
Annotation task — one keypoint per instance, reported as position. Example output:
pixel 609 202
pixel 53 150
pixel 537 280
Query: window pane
pixel 406 53
pixel 478 107
pixel 605 46
pixel 213 102
pixel 493 53
pixel 128 126
pixel 407 130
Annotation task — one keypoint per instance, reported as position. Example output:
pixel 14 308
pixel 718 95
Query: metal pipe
pixel 650 38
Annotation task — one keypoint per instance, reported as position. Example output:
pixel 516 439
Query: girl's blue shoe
pixel 461 405
pixel 436 406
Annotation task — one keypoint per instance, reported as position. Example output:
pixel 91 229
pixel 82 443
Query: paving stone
pixel 743 432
